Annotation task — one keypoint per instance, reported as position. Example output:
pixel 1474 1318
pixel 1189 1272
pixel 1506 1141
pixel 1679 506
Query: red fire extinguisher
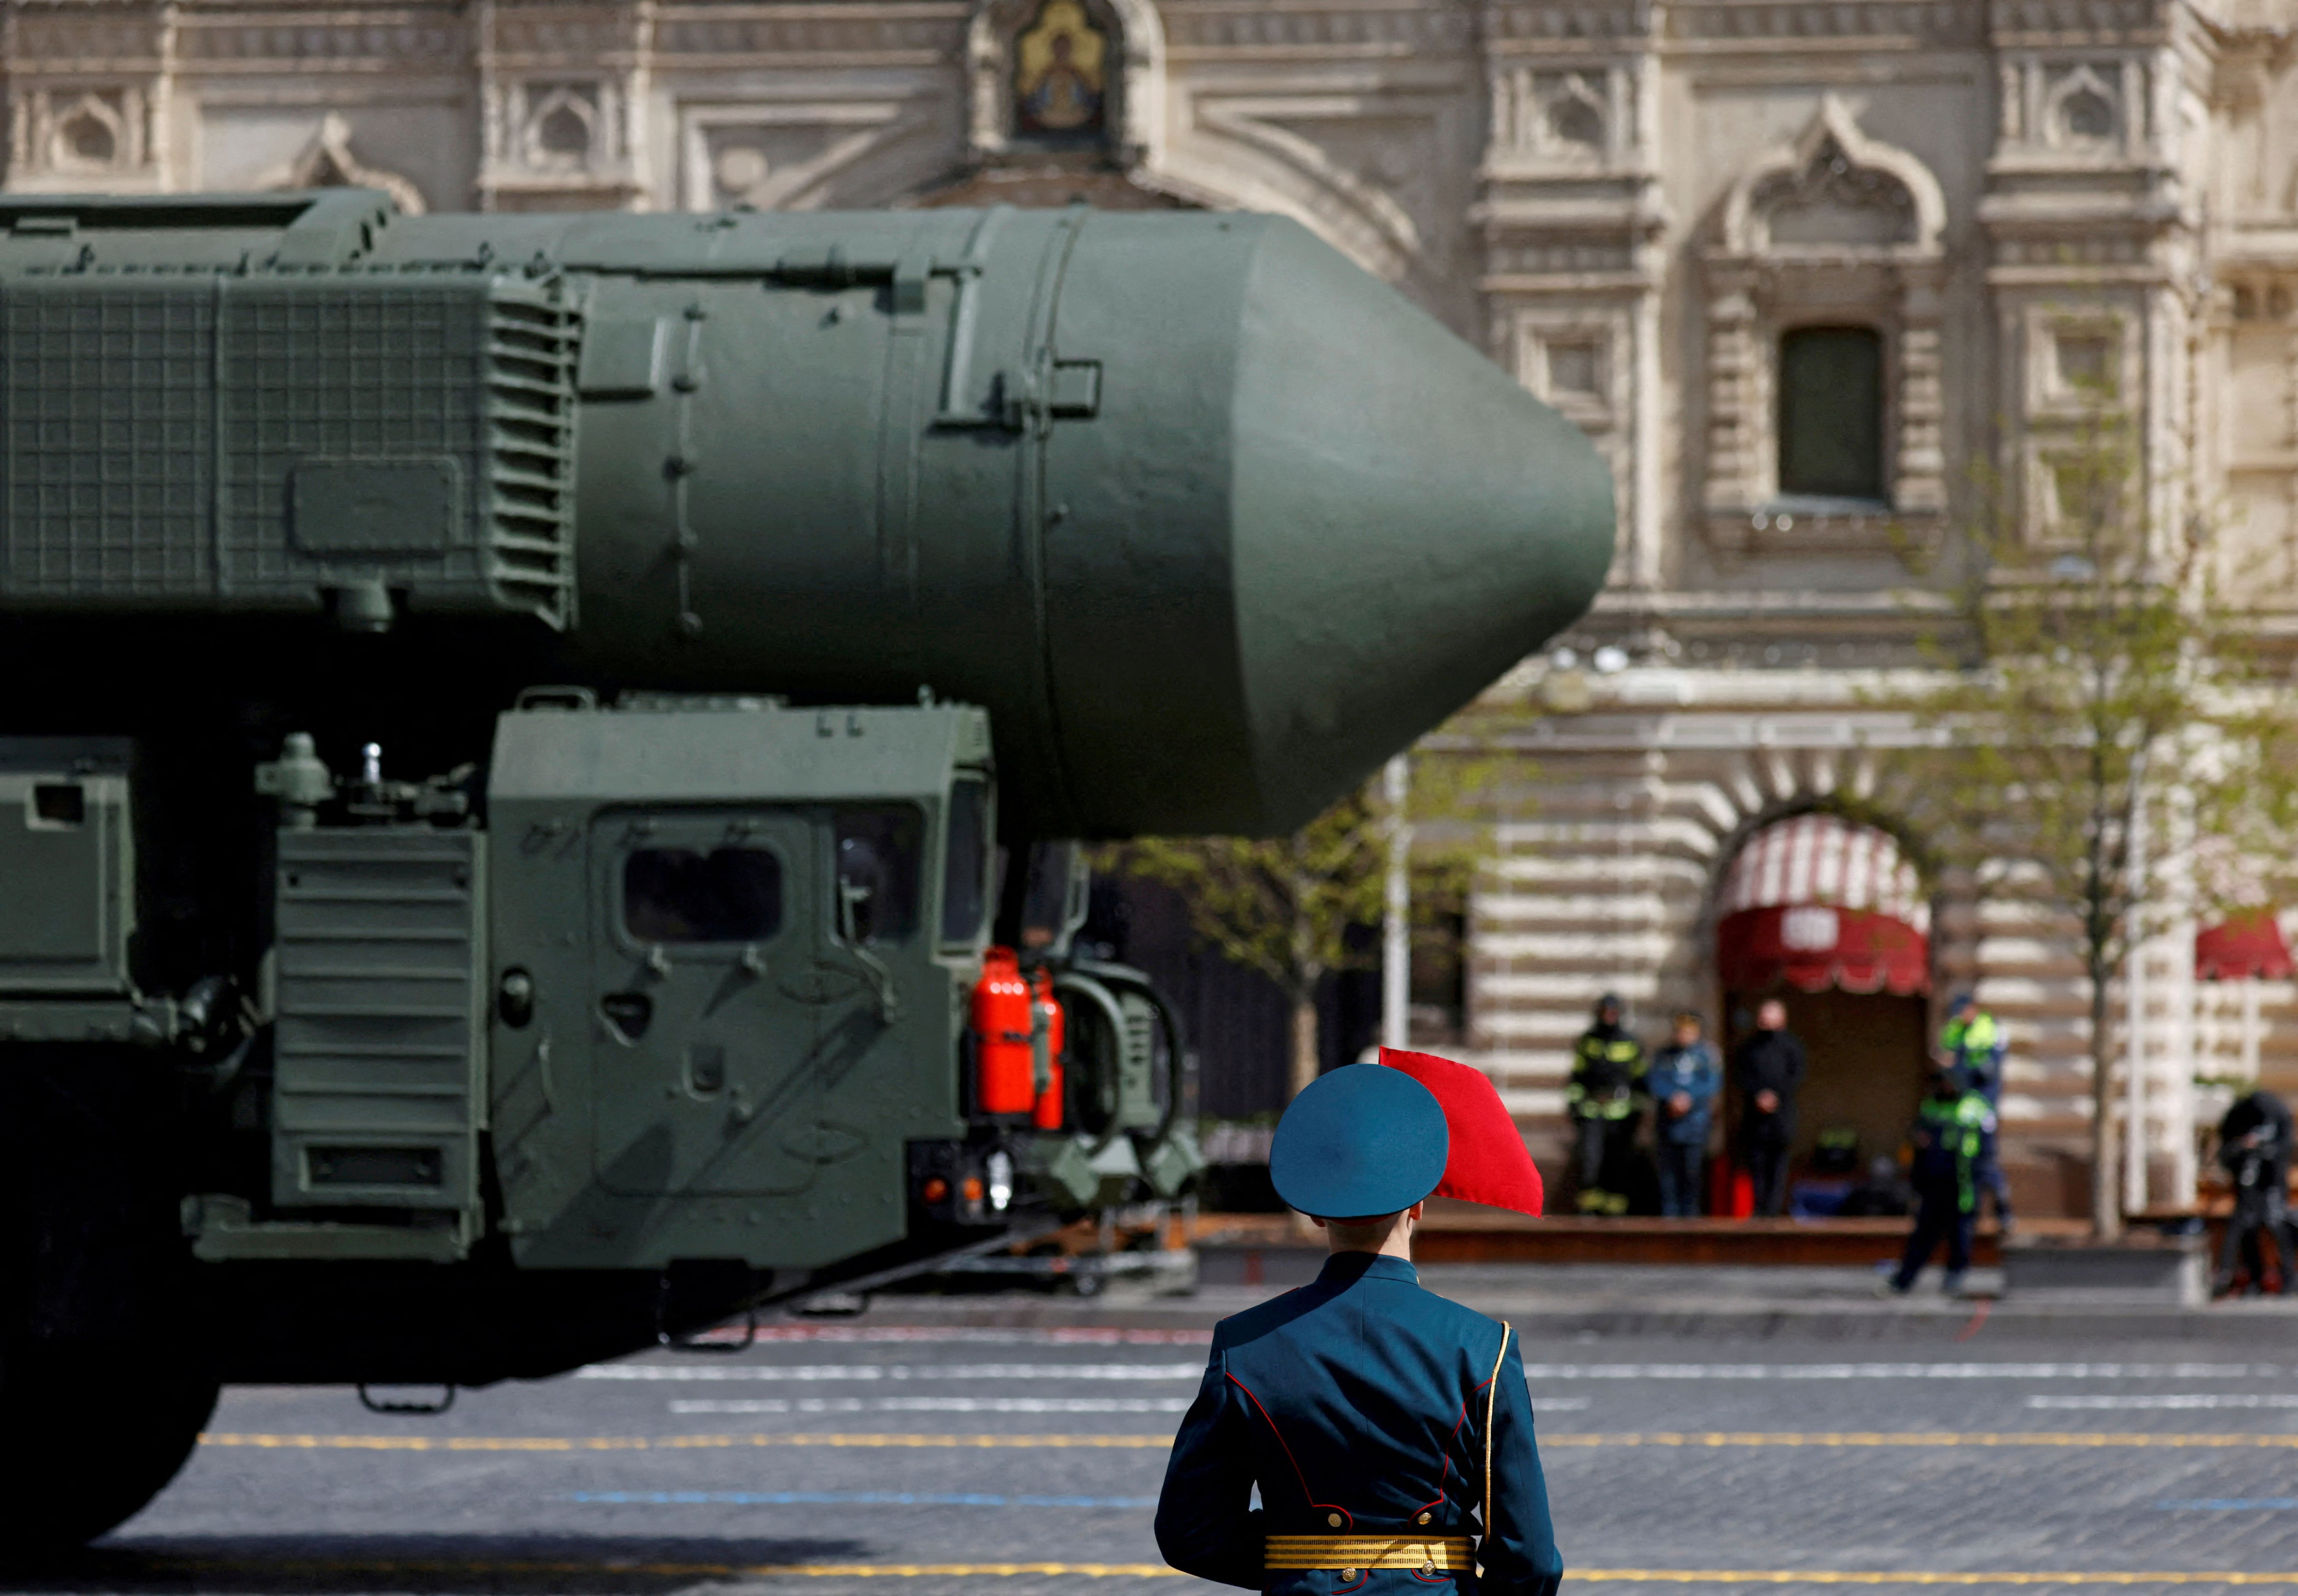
pixel 1018 1026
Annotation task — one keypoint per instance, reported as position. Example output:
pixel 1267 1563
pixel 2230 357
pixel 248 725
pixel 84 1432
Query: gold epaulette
pixel 1430 1554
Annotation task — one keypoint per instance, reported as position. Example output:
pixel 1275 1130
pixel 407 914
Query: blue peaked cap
pixel 1362 1140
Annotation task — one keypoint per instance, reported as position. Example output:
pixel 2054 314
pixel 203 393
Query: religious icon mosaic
pixel 1060 73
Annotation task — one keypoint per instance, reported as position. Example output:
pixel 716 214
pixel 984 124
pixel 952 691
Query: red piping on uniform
pixel 1443 1456
pixel 1289 1458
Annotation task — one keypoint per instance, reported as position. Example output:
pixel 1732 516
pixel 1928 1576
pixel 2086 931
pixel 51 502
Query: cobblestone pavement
pixel 850 1459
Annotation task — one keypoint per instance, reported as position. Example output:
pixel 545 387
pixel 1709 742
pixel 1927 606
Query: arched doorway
pixel 1828 916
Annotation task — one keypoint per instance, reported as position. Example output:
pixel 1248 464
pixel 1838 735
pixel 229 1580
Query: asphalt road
pixel 853 1458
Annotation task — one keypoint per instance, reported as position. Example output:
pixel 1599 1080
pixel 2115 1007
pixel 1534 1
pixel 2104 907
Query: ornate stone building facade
pixel 1685 222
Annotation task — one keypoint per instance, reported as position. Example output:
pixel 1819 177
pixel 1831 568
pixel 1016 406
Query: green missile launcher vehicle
pixel 528 740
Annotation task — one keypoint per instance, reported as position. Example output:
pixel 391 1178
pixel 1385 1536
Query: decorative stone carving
pixel 1574 116
pixel 328 162
pixel 719 36
pixel 562 127
pixel 801 155
pixel 1838 193
pixel 1824 25
pixel 560 32
pixel 2081 108
pixel 563 87
pixel 1832 227
pixel 1259 150
pixel 2077 357
pixel 2033 23
pixel 1515 29
pixel 558 142
pixel 74 38
pixel 2088 109
pixel 396 40
pixel 89 136
pixel 2260 299
pixel 1572 218
pixel 1350 31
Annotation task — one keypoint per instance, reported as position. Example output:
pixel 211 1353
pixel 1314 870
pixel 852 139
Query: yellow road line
pixel 1679 1576
pixel 1885 1576
pixel 1716 1438
pixel 574 1444
pixel 619 1570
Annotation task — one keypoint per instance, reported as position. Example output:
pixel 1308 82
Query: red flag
pixel 1489 1162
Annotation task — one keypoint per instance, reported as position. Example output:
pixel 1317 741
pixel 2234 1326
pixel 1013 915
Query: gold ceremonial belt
pixel 1428 1553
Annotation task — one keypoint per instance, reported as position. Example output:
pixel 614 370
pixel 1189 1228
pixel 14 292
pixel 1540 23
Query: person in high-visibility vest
pixel 1950 1128
pixel 1972 1042
pixel 1606 1100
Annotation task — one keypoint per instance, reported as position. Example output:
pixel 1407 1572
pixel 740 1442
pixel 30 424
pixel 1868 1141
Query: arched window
pixel 1832 413
pixel 1827 436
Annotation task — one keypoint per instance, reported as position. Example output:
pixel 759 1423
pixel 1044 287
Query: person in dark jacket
pixel 1388 1431
pixel 1683 1084
pixel 1768 1068
pixel 1606 1099
pixel 2254 1149
pixel 1951 1129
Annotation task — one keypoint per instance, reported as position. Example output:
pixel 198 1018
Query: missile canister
pixel 1209 520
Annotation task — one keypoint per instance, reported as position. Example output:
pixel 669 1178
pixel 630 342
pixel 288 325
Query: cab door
pixel 706 937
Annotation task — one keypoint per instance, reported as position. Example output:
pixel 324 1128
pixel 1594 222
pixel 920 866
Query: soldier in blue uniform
pixel 1384 1426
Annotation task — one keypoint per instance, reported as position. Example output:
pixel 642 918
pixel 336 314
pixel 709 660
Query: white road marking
pixel 872 1372
pixel 990 1404
pixel 2222 1399
pixel 939 1404
pixel 1069 1335
pixel 1901 1371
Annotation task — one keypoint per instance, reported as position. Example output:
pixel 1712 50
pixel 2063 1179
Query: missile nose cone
pixel 1378 523
pixel 1408 522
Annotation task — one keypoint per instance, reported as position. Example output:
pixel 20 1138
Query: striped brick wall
pixel 1607 881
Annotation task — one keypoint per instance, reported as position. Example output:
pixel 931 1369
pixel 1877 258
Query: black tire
pixel 95 1435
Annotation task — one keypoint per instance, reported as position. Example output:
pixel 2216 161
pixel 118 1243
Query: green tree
pixel 2099 676
pixel 1289 906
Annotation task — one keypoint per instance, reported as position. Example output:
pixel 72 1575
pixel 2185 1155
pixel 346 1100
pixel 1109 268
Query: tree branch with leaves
pixel 1288 907
pixel 2102 667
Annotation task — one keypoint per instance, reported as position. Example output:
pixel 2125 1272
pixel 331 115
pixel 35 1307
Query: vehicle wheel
pixel 96 1433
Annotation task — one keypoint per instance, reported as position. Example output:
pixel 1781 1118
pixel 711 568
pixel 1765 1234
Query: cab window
pixel 965 866
pixel 686 895
pixel 880 846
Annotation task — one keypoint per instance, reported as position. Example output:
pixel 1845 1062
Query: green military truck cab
pixel 733 945
pixel 688 984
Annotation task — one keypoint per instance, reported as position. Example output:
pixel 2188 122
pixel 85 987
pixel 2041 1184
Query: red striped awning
pixel 1813 947
pixel 1818 902
pixel 2242 946
pixel 1826 859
